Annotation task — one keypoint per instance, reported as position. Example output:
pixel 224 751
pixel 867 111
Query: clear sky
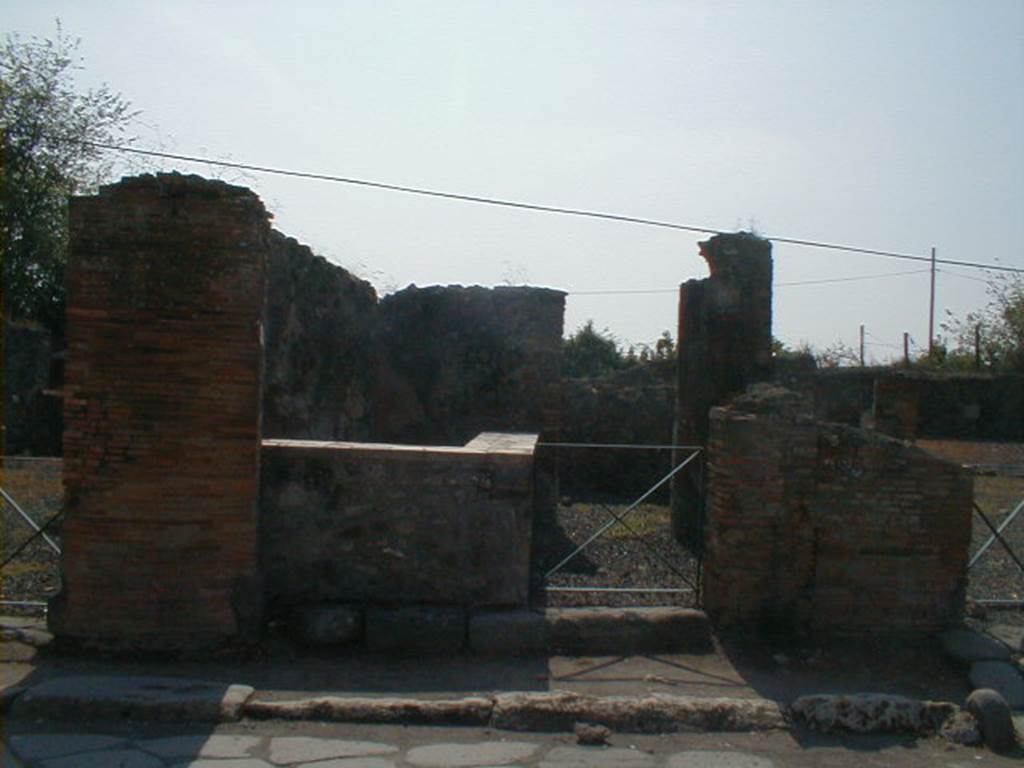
pixel 896 125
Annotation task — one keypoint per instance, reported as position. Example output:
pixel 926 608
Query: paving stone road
pixel 419 748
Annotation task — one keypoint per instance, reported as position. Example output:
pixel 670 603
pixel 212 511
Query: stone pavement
pixel 276 746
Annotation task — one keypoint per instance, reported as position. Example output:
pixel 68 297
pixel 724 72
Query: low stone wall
pixel 397 524
pixel 829 529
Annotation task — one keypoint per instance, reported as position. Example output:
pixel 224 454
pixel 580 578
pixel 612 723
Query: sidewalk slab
pixel 144 698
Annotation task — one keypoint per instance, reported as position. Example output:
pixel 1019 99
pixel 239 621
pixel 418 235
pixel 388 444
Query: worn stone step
pixel 591 631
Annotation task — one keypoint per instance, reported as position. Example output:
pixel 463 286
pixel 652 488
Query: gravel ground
pixel 644 554
pixel 35 484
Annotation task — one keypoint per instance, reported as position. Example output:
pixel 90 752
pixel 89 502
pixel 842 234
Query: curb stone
pixel 143 698
pixel 171 699
pixel 555 711
pixel 871 713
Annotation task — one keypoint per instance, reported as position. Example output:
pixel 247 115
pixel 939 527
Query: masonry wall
pixel 397 524
pixel 911 404
pixel 456 361
pixel 631 407
pixel 431 365
pixel 827 529
pixel 321 359
pixel 725 344
pixel 166 283
pixel 32 411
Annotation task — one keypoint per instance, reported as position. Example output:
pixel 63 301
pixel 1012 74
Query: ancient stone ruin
pixel 725 345
pixel 251 433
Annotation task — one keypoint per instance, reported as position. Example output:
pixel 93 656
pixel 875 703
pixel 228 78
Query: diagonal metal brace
pixel 997 535
pixel 28 519
pixel 600 531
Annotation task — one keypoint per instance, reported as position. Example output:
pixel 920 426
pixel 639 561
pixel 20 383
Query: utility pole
pixel 862 345
pixel 931 310
pixel 906 349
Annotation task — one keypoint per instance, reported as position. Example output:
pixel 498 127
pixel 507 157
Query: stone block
pixel 967 646
pixel 508 633
pixel 428 630
pixel 624 631
pixel 994 720
pixel 1000 676
pixel 326 624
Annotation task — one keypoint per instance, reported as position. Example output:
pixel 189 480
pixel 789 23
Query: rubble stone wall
pixel 319 377
pixel 456 361
pixel 631 407
pixel 398 524
pixel 431 366
pixel 827 529
pixel 166 284
pixel 911 404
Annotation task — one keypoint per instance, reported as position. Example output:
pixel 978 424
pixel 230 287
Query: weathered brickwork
pixel 166 284
pixel 827 529
pixel 725 344
pixel 397 524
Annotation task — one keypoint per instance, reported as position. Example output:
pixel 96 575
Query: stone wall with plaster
pixel 386 524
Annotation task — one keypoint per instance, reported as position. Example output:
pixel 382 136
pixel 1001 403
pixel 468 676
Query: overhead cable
pixel 529 206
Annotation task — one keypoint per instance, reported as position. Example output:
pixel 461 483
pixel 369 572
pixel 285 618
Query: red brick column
pixel 725 344
pixel 166 285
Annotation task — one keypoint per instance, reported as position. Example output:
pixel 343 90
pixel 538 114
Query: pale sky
pixel 895 125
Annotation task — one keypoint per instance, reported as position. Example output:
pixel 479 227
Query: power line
pixel 965 277
pixel 851 279
pixel 606 291
pixel 528 206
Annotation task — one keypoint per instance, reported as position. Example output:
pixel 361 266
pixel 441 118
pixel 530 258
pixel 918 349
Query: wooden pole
pixel 931 310
pixel 862 345
pixel 906 349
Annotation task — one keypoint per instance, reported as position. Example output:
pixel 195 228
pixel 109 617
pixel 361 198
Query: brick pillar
pixel 725 344
pixel 166 285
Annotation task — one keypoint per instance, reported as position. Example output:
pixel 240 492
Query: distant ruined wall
pixel 455 361
pixel 432 366
pixel 824 529
pixel 166 283
pixel 320 371
pixel 913 404
pixel 725 344
pixel 32 410
pixel 631 407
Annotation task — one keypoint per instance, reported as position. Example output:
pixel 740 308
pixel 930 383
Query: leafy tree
pixel 590 352
pixel 836 355
pixel 999 326
pixel 44 121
